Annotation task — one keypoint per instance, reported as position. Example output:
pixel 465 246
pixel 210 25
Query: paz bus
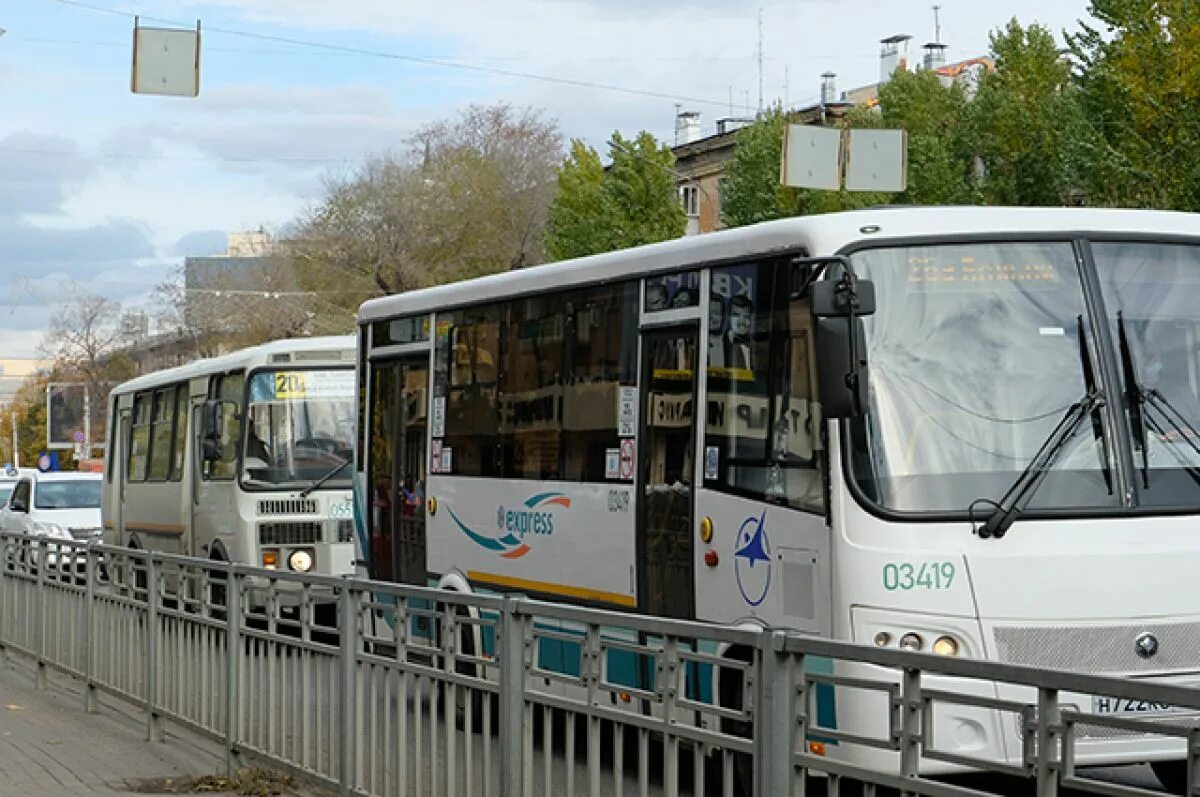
pixel 239 458
pixel 964 431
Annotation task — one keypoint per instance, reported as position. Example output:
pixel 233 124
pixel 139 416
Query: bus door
pixel 667 446
pixel 396 470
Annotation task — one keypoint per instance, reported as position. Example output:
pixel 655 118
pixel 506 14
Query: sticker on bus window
pixel 612 463
pixel 314 384
pixel 627 411
pixel 712 458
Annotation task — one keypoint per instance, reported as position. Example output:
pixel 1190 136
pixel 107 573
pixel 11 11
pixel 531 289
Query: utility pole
pixel 16 449
pixel 760 60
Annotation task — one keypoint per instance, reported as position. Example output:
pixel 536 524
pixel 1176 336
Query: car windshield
pixel 301 426
pixel 1150 296
pixel 6 489
pixel 81 494
pixel 976 354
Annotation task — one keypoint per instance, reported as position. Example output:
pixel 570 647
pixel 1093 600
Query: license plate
pixel 1125 705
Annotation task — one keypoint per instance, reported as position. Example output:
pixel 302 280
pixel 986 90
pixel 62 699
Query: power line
pixel 416 59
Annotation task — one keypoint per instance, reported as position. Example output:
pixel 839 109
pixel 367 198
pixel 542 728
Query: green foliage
pixel 1139 72
pixel 571 229
pixel 633 202
pixel 939 144
pixel 1028 123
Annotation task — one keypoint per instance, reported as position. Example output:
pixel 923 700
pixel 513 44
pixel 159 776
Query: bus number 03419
pixel 922 575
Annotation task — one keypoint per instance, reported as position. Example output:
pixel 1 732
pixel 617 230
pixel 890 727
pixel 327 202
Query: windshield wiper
pixel 1013 502
pixel 315 485
pixel 1140 400
pixel 1135 397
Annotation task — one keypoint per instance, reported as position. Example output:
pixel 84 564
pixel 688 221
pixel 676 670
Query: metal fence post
pixel 911 707
pixel 39 622
pixel 1049 719
pixel 512 698
pixel 90 564
pixel 348 616
pixel 233 657
pixel 775 721
pixel 6 550
pixel 154 727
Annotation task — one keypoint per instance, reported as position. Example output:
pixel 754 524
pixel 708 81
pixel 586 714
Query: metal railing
pixel 383 689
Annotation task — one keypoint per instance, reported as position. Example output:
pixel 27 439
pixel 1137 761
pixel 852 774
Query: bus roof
pixel 330 349
pixel 824 234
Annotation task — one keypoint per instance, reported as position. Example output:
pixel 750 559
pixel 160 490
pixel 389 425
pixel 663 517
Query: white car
pixel 59 504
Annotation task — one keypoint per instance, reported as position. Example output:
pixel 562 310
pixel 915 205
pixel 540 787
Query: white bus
pixel 239 458
pixel 687 429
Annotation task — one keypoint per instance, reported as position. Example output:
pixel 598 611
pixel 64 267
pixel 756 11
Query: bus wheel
pixel 1172 775
pixel 729 695
pixel 467 646
pixel 218 597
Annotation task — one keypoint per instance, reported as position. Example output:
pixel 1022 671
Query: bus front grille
pixel 287 506
pixel 1102 649
pixel 299 532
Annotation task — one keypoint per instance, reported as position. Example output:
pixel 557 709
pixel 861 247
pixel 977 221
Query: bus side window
pixel 181 425
pixel 229 390
pixel 139 438
pixel 762 429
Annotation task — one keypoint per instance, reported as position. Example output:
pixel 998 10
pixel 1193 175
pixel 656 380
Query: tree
pixel 572 229
pixel 1139 72
pixel 940 161
pixel 1028 122
pixel 632 202
pixel 752 191
pixel 84 344
pixel 469 197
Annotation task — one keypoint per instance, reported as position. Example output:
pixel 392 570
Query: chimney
pixel 893 55
pixel 828 88
pixel 687 127
pixel 935 55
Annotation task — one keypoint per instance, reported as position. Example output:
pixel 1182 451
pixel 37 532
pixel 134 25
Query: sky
pixel 105 192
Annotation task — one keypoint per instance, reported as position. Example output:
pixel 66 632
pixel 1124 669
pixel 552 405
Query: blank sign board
pixel 812 157
pixel 876 160
pixel 166 61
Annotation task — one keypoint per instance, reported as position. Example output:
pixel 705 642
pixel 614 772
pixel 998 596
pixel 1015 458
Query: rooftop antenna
pixel 937 24
pixel 760 60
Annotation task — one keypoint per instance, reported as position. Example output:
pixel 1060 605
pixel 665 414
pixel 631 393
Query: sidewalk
pixel 51 747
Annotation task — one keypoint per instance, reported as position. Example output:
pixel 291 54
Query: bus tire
pixel 217 589
pixel 729 695
pixel 468 645
pixel 1172 775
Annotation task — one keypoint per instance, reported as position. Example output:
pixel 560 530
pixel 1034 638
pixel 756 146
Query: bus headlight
pixel 301 560
pixel 945 646
pixel 911 642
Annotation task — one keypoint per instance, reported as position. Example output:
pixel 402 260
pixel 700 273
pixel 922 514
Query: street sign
pixel 812 157
pixel 166 61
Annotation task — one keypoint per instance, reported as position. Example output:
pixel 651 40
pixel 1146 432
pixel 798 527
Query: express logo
pixel 752 559
pixel 534 516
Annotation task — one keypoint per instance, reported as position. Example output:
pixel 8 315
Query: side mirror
pixel 210 449
pixel 841 367
pixel 838 302
pixel 17 505
pixel 832 298
pixel 213 420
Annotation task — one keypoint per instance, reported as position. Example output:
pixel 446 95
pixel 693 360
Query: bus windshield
pixel 977 352
pixel 300 426
pixel 1149 294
